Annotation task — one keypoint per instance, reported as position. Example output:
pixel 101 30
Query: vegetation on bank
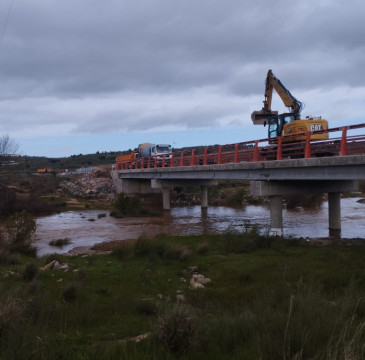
pixel 268 298
pixel 30 164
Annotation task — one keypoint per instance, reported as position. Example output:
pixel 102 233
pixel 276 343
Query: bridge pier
pixel 276 216
pixel 204 197
pixel 166 198
pixel 166 185
pixel 334 213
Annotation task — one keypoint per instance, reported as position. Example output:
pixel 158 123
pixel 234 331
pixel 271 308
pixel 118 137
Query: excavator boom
pixel 260 117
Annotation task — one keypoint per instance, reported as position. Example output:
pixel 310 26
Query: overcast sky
pixel 82 76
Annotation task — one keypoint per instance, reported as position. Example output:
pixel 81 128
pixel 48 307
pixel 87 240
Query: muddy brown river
pixel 86 228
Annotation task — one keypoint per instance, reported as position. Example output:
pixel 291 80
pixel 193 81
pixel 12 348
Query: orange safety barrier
pixel 341 144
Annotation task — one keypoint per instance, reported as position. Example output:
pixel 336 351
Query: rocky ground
pixel 96 184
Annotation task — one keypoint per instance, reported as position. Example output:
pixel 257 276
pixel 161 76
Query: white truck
pixel 155 150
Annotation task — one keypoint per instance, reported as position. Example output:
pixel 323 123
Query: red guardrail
pixel 341 144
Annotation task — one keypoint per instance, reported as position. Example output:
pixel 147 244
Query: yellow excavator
pixel 287 125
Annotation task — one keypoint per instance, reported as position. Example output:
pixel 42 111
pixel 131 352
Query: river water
pixel 86 228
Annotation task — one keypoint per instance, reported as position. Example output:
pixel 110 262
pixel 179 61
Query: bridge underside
pixel 275 190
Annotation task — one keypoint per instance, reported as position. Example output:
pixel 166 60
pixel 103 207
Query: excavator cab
pixel 276 124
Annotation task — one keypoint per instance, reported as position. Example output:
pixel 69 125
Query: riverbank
pixel 234 295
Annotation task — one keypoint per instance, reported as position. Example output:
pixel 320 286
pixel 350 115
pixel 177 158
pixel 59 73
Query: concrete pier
pixel 276 216
pixel 166 198
pixel 334 213
pixel 204 197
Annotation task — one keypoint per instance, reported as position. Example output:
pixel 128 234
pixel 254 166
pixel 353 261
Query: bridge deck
pixel 325 168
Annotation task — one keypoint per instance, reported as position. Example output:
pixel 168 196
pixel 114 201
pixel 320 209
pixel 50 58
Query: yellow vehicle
pixel 287 125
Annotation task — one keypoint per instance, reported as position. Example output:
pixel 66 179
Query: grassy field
pixel 268 298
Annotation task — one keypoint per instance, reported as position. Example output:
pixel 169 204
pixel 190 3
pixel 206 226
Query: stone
pixel 203 281
pixel 48 266
pixel 65 267
pixel 198 276
pixel 194 285
pixel 180 298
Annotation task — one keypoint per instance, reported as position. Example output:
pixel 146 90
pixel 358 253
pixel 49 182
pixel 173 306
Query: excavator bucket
pixel 260 117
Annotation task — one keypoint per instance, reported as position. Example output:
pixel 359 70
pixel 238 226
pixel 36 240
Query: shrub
pixel 7 258
pixel 245 241
pixel 202 248
pixel 69 293
pixel 362 186
pixel 176 330
pixel 8 199
pixel 60 242
pixel 236 242
pixel 30 272
pixel 143 246
pixel 50 257
pixel 126 205
pixel 20 229
pixel 184 254
pixel 304 200
pixel 81 275
pixel 176 252
pixel 123 251
pixel 147 307
pixel 236 199
pixel 11 310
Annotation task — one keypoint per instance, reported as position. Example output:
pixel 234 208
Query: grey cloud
pixel 91 50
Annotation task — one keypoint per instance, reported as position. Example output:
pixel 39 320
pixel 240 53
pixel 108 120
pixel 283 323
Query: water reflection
pixel 85 228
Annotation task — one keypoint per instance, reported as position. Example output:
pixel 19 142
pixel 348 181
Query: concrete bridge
pixel 333 175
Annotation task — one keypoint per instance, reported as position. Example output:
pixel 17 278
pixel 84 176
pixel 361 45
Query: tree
pixel 8 145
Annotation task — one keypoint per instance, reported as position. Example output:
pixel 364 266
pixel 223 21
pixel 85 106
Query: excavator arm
pixel 260 117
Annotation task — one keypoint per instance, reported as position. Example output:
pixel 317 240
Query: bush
pixel 176 330
pixel 30 272
pixel 362 186
pixel 147 307
pixel 126 205
pixel 307 201
pixel 8 199
pixel 237 198
pixel 20 229
pixel 143 246
pixel 7 258
pixel 11 310
pixel 123 251
pixel 50 257
pixel 202 248
pixel 60 242
pixel 245 241
pixel 69 293
pixel 176 252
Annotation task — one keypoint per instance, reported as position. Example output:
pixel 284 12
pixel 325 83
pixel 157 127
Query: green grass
pixel 267 300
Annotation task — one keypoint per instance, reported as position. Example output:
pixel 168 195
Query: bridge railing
pixel 341 141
